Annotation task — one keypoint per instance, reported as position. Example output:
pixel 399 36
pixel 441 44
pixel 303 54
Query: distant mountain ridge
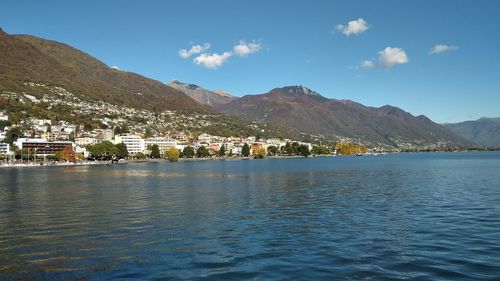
pixel 484 131
pixel 305 110
pixel 203 96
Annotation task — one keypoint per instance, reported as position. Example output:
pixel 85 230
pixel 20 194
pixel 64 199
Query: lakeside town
pixel 36 141
pixel 46 141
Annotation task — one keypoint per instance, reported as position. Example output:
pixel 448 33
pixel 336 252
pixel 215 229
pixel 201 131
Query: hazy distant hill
pixel 307 111
pixel 484 131
pixel 212 98
pixel 27 58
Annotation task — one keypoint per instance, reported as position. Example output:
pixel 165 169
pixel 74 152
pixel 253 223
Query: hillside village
pixel 46 138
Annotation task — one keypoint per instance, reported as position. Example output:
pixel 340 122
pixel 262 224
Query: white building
pixel 83 151
pixel 204 138
pixel 134 143
pixel 83 141
pixel 3 117
pixel 104 134
pixel 163 144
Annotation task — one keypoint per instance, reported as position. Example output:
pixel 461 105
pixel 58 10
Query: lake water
pixel 432 216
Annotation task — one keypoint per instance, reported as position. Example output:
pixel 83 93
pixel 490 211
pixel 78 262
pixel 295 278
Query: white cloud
pixel 195 49
pixel 390 57
pixel 367 64
pixel 212 61
pixel 115 67
pixel 243 49
pixel 441 48
pixel 353 27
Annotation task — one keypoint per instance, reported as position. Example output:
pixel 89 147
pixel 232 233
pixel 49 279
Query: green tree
pixel 188 152
pixel 320 149
pixel 12 135
pixel 272 150
pixel 122 151
pixel 222 151
pixel 103 150
pixel 155 152
pixel 303 150
pixel 140 155
pixel 4 123
pixel 121 130
pixel 245 150
pixel 173 154
pixel 202 152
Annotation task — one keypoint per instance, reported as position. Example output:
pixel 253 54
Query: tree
pixel 103 150
pixel 155 152
pixel 321 149
pixel 12 135
pixel 245 150
pixel 140 155
pixel 347 148
pixel 4 123
pixel 272 150
pixel 303 150
pixel 67 154
pixel 87 127
pixel 188 152
pixel 222 151
pixel 202 152
pixel 260 152
pixel 173 154
pixel 122 151
pixel 121 130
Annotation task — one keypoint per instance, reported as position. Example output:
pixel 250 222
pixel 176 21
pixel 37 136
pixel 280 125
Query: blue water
pixel 432 216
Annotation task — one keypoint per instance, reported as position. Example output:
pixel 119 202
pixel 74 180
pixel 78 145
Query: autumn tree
pixel 67 154
pixel 260 152
pixel 173 154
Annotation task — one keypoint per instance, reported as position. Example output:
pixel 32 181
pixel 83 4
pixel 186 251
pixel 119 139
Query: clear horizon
pixel 440 61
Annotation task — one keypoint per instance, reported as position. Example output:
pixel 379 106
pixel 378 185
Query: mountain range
pixel 203 96
pixel 484 131
pixel 307 111
pixel 292 111
pixel 27 58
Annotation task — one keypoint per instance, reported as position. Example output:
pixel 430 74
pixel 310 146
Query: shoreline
pixel 40 164
pixel 152 161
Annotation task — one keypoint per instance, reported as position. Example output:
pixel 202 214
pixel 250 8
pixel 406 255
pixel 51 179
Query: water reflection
pixel 406 216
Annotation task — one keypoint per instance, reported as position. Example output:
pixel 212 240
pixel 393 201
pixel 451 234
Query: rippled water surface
pixel 415 216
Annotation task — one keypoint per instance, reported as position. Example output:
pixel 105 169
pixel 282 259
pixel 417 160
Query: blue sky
pixel 293 43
